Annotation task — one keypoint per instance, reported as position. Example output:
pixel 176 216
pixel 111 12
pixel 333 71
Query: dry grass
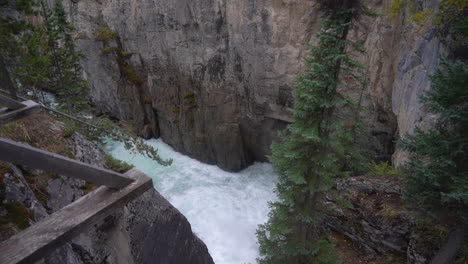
pixel 40 131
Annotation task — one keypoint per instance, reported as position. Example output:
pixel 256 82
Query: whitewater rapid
pixel 223 208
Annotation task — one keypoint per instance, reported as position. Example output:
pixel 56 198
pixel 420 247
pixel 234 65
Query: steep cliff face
pixel 400 57
pixel 217 74
pixel 215 78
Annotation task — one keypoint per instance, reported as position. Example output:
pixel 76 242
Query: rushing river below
pixel 223 208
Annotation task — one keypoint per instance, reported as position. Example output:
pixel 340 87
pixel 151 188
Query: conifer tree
pixel 65 76
pixel 436 175
pixel 314 149
pixel 12 29
pixel 43 57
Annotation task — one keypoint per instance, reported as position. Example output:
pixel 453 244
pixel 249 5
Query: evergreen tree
pixel 315 148
pixel 436 175
pixel 35 63
pixel 65 76
pixel 43 57
pixel 12 30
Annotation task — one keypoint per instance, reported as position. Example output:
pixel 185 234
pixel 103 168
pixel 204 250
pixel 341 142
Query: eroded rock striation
pixel 370 212
pixel 215 78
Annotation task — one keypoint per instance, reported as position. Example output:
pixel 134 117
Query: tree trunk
pixel 450 250
pixel 5 81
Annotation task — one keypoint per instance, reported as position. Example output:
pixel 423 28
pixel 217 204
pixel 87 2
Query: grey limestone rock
pixel 217 76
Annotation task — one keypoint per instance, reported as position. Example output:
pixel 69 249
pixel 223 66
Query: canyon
pixel 214 79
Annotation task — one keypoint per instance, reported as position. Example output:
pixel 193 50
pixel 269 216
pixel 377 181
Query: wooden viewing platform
pixel 42 238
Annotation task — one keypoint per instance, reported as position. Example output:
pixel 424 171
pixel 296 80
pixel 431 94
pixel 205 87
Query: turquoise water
pixel 223 208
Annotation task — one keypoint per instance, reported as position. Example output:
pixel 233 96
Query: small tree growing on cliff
pixel 314 150
pixel 436 175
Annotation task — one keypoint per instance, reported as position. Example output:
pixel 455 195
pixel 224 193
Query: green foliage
pixel 189 95
pixel 176 110
pixel 104 33
pixel 388 212
pixel 422 18
pixel 44 56
pixel 65 72
pixel 129 72
pixel 102 129
pixel 314 150
pixel 370 12
pixel 127 53
pixel 431 234
pixel 15 34
pixel 463 255
pixel 9 128
pixel 70 128
pixel 109 49
pixel 452 20
pixel 344 203
pixel 382 169
pixel 396 8
pixel 18 214
pixel 117 165
pixel 190 100
pixel 449 19
pixel 88 187
pixel 436 175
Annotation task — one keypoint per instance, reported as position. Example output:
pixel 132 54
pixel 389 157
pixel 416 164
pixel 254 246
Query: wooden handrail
pixel 25 155
pixel 10 103
pixel 28 108
pixel 44 237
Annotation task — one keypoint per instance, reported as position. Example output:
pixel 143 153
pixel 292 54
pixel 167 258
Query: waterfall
pixel 223 208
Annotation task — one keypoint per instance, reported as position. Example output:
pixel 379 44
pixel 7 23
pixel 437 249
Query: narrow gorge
pixel 210 84
pixel 217 77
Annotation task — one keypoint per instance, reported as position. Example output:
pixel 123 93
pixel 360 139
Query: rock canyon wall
pixel 215 78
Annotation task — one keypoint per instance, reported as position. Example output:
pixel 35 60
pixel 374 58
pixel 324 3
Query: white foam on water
pixel 223 208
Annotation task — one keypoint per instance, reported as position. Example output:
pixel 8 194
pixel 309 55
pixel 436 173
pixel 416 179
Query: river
pixel 223 208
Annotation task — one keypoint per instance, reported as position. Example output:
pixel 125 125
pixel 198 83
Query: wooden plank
pixel 10 103
pixel 21 154
pixel 42 238
pixel 29 108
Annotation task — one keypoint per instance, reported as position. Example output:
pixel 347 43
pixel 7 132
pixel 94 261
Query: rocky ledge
pixel 147 230
pixel 369 212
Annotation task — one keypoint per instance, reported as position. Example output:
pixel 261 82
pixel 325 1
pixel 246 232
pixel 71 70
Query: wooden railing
pixel 14 110
pixel 44 237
